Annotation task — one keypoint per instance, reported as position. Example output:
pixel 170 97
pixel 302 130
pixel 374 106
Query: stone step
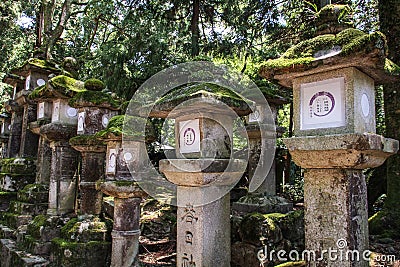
pixel 6 232
pixel 5 199
pixel 34 193
pixel 35 246
pixel 15 220
pixel 11 256
pixel 24 208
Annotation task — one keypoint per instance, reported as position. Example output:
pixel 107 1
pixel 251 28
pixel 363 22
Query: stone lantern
pixel 4 133
pixel 62 126
pixel 264 198
pixel 121 184
pixel 203 171
pixel 34 73
pixel 334 124
pixel 95 109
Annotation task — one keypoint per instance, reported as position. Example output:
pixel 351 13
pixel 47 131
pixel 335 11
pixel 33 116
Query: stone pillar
pixel 29 140
pixel 63 173
pixel 15 131
pixel 126 231
pixel 335 195
pixel 44 161
pixel 93 160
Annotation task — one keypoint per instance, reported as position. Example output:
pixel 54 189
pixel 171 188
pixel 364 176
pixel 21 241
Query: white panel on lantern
pixel 41 110
pixel 56 111
pixel 81 121
pixel 104 120
pixel 28 82
pixel 40 82
pixel 322 104
pixel 189 136
pixel 255 116
pixel 3 128
pixel 112 161
pixel 71 112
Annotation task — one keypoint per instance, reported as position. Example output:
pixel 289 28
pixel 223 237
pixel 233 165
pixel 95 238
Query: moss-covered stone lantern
pixel 58 131
pixel 121 184
pixel 264 198
pixel 95 109
pixel 34 73
pixel 333 78
pixel 204 170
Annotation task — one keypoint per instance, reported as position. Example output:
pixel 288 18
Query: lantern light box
pixel 334 102
pixel 62 112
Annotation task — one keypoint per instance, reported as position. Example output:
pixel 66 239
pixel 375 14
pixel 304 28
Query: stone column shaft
pixel 126 232
pixel 92 170
pixel 29 140
pixel 62 191
pixel 203 231
pixel 44 161
pixel 336 197
pixel 15 134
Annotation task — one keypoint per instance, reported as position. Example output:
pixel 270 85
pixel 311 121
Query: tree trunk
pixel 389 13
pixel 194 27
pixel 52 35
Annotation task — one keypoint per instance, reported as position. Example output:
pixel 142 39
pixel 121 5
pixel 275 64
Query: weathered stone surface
pixel 203 237
pixel 126 232
pixel 342 204
pixel 62 179
pixel 357 151
pixel 199 172
pixel 29 140
pixel 122 189
pixel 58 131
pixel 11 256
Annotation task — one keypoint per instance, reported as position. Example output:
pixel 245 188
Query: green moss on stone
pixel 66 85
pixel 88 98
pixel 183 93
pixel 381 223
pixel 34 228
pixel 125 183
pixel 132 129
pixel 94 85
pixel 346 42
pixel 43 64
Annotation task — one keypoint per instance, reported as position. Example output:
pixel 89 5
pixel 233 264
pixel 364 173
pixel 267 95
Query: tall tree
pixel 389 219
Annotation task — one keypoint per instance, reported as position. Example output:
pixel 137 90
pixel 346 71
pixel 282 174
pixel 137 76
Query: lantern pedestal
pixel 126 231
pixel 334 172
pixel 203 223
pixel 93 160
pixel 64 159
